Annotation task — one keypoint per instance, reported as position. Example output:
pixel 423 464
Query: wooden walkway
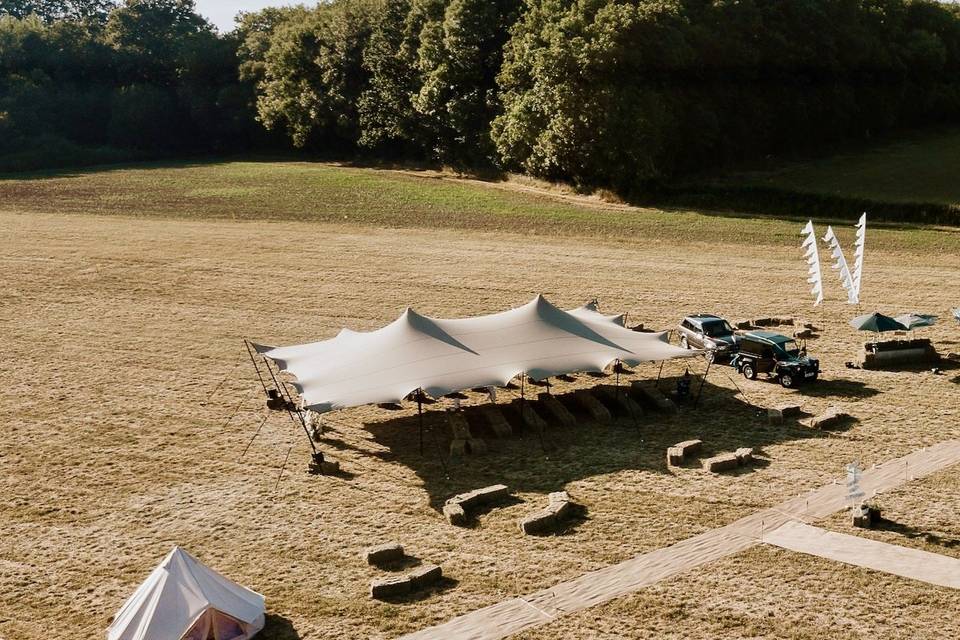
pixel 512 616
pixel 916 564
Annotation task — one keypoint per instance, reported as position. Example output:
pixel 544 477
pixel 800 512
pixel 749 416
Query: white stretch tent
pixel 443 356
pixel 183 599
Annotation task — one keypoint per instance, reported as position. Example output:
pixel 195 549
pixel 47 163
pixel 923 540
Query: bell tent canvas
pixel 183 599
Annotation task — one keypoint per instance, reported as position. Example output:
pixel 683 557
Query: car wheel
pixel 684 343
pixel 786 380
pixel 749 372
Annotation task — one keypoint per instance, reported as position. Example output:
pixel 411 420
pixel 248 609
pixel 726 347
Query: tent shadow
pixel 541 461
pixel 277 627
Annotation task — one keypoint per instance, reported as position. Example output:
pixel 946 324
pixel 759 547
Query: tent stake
pixel 696 402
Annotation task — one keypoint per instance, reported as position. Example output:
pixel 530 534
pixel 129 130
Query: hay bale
pixel 455 509
pixel 592 406
pixel 778 413
pixel 743 324
pixel 690 447
pixel 674 456
pixel 476 445
pixel 550 518
pixel 829 418
pixel 496 420
pixel 555 410
pixel 390 587
pixel 722 462
pixel 651 395
pixel 459 426
pixel 537 523
pixel 530 416
pixel 424 576
pixel 455 514
pixel 458 447
pixel 384 553
pixel 763 322
pixel 558 496
pixel 803 333
pixel 744 456
pixel 626 404
pixel 489 495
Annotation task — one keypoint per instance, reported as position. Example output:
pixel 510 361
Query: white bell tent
pixel 183 599
pixel 443 356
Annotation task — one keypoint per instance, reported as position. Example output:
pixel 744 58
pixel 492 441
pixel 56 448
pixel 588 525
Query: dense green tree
pixel 459 57
pixel 389 124
pixel 53 10
pixel 311 76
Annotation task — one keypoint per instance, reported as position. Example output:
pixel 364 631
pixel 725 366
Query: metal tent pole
pixel 702 381
pixel 254 361
pixel 420 416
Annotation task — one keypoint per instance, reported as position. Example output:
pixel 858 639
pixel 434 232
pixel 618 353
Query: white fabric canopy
pixel 183 599
pixel 443 356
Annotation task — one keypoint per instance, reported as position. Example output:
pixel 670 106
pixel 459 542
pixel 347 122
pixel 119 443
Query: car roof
pixel 701 317
pixel 769 336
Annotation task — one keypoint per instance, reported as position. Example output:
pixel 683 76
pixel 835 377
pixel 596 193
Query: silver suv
pixel 709 332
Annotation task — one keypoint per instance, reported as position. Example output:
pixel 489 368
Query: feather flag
pixel 812 255
pixel 858 254
pixel 846 279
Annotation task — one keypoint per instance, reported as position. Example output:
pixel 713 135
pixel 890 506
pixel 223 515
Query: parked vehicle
pixel 709 332
pixel 777 356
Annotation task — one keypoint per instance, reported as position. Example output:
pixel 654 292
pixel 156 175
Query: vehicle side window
pixel 688 325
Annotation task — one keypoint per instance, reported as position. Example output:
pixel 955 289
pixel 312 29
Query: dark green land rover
pixel 777 356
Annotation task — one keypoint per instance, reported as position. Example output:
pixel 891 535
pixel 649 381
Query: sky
pixel 222 12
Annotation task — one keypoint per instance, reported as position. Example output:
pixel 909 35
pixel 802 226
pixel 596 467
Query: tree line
pixel 613 93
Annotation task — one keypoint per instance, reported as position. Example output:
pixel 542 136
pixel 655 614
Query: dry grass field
pixel 128 403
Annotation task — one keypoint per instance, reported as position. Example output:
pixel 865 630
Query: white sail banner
pixel 858 254
pixel 812 256
pixel 846 278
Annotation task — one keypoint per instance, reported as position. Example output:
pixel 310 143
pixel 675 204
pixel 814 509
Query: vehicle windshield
pixel 717 329
pixel 789 348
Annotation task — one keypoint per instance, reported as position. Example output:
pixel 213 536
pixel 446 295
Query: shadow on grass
pixel 276 627
pixel 541 461
pixel 838 388
pixel 445 583
pixel 910 532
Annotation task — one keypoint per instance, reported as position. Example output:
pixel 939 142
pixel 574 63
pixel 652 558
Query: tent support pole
pixel 420 416
pixel 288 401
pixel 246 343
pixel 702 381
pixel 658 375
pixel 616 369
pixel 523 414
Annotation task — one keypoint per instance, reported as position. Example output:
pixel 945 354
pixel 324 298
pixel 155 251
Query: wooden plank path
pixel 517 614
pixel 916 564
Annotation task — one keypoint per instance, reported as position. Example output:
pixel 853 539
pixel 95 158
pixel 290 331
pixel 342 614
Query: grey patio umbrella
pixel 913 320
pixel 877 322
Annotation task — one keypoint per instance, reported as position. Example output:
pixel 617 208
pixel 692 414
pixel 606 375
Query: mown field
pixel 920 168
pixel 128 403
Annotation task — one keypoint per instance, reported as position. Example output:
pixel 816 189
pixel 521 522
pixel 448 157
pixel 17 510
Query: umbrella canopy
pixel 914 320
pixel 877 322
pixel 956 314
